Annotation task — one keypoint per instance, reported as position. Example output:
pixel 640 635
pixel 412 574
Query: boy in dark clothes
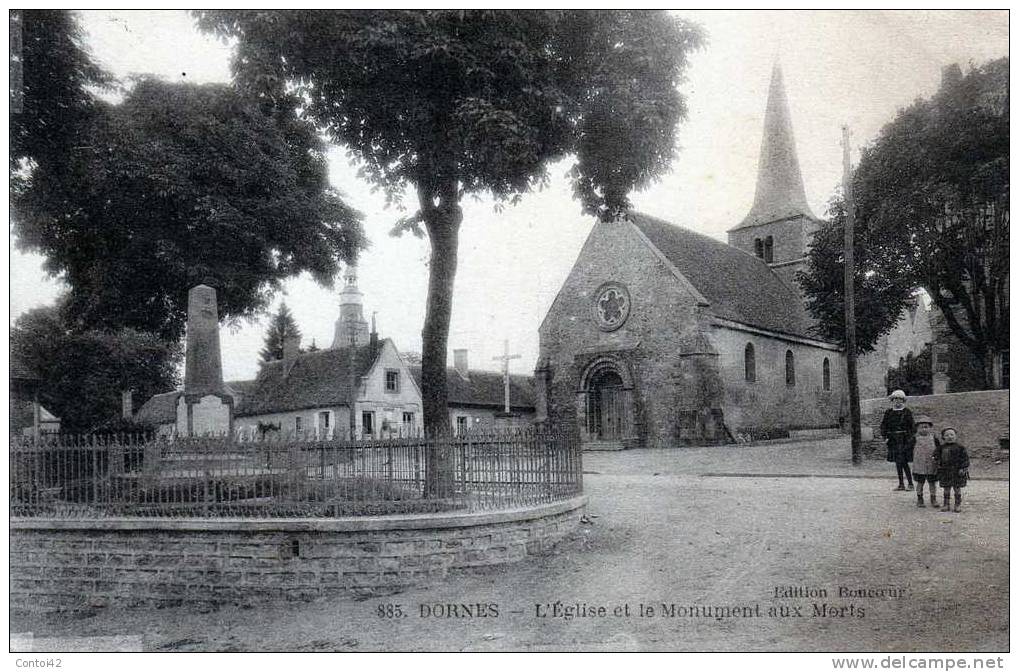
pixel 953 467
pixel 898 429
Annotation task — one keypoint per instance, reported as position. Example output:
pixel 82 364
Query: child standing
pixel 897 427
pixel 953 467
pixel 925 468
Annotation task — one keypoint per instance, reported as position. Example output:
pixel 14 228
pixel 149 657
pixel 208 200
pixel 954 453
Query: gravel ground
pixel 661 529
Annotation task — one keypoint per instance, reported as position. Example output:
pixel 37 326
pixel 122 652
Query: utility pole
pixel 850 299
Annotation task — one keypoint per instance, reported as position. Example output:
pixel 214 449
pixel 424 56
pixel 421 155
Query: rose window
pixel 612 306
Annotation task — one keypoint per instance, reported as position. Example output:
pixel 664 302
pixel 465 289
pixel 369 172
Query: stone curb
pixel 348 524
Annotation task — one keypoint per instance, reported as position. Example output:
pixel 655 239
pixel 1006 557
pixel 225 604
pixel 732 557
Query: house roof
pixel 160 409
pixel 739 286
pixel 241 388
pixel 22 415
pixel 310 380
pixel 484 389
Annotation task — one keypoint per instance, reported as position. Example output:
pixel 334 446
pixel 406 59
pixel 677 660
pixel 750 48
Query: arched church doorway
pixel 607 406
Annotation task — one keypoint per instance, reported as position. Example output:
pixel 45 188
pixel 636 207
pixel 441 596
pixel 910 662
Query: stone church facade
pixel 661 336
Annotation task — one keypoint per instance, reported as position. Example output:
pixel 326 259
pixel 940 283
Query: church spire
pixel 780 193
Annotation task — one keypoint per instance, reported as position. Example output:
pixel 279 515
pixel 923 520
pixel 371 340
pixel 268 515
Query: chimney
pixel 127 404
pixel 291 347
pixel 374 338
pixel 203 366
pixel 460 363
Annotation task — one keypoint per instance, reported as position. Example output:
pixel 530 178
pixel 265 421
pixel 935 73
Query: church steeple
pixel 351 323
pixel 780 193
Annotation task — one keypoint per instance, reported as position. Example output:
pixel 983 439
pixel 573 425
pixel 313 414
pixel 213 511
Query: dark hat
pixel 925 420
pixel 945 429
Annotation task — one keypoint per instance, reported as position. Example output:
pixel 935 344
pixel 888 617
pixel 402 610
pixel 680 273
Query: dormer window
pixel 769 249
pixel 759 248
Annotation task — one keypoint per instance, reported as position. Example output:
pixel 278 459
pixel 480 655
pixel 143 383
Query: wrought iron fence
pixel 80 477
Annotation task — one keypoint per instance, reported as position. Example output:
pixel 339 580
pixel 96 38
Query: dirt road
pixel 708 551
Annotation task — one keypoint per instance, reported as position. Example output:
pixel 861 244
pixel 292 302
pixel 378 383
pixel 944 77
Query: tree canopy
pixel 84 372
pixel 932 205
pixel 882 282
pixel 53 78
pixel 177 185
pixel 457 102
pixel 281 327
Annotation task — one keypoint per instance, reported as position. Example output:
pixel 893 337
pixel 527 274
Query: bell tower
pixel 780 224
pixel 351 323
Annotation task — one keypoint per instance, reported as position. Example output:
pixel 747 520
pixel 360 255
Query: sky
pixel 840 67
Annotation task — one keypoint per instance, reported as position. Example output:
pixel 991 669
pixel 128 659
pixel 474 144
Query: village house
pixel 359 387
pixel 477 399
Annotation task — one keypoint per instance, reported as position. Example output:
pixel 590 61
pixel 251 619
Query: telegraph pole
pixel 850 299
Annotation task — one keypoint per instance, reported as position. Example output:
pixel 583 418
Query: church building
pixel 661 336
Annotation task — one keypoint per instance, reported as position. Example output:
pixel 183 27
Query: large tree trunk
pixel 443 225
pixel 987 360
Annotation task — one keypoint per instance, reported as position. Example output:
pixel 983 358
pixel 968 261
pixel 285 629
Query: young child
pixel 897 427
pixel 953 467
pixel 925 468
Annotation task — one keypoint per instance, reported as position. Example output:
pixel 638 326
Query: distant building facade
pixel 477 399
pixel 360 387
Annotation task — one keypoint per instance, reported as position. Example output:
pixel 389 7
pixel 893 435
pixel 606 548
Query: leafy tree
pixel 182 184
pixel 457 103
pixel 280 328
pixel 882 283
pixel 84 372
pixel 932 202
pixel 939 177
pixel 913 375
pixel 54 100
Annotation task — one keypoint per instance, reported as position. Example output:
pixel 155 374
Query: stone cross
pixel 505 359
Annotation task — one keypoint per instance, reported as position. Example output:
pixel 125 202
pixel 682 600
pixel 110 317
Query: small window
pixel 461 424
pixel 759 248
pixel 769 249
pixel 408 419
pixel 749 365
pixel 826 375
pixel 298 424
pixel 790 368
pixel 367 423
pixel 392 380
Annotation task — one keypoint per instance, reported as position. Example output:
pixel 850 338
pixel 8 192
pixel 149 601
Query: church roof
pixel 485 389
pixel 779 193
pixel 739 286
pixel 310 380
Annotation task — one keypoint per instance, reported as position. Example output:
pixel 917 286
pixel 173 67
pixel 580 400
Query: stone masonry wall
pixel 979 418
pixel 661 311
pixel 768 402
pixel 74 564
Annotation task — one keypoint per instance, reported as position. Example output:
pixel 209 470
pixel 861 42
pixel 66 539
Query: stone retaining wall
pixel 81 564
pixel 980 418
